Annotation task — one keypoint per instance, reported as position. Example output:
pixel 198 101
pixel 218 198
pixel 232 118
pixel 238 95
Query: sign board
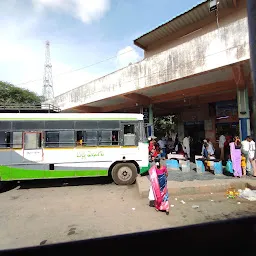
pixel 213 5
pixel 226 109
pixel 146 115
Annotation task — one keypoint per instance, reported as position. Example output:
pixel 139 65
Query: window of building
pixel 32 141
pixel 5 140
pixel 17 140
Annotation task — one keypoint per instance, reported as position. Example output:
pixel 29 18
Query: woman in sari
pixel 235 152
pixel 158 177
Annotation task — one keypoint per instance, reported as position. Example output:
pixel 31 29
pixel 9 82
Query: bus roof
pixel 70 116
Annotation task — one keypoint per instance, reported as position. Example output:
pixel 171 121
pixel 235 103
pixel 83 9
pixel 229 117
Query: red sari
pixel 158 180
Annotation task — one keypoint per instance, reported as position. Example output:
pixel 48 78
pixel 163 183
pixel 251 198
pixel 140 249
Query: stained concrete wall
pixel 206 49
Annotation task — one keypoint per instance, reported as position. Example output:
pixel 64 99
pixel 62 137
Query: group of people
pixel 242 155
pixel 159 149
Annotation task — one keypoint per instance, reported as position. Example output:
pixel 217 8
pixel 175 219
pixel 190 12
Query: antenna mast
pixel 48 93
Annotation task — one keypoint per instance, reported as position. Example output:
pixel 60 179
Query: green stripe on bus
pixel 9 173
pixel 144 169
pixel 69 119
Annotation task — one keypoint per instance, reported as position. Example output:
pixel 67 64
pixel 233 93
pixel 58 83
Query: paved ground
pixel 46 212
pixel 178 175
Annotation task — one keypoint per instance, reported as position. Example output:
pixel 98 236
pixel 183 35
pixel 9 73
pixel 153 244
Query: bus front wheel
pixel 124 173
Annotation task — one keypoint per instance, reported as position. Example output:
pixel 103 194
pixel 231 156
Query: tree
pixel 164 124
pixel 10 94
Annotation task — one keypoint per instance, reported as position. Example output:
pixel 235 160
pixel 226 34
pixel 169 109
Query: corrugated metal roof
pixel 191 16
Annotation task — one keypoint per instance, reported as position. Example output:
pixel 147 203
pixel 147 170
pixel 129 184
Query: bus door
pixel 32 147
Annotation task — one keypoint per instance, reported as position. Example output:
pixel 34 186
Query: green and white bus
pixel 67 145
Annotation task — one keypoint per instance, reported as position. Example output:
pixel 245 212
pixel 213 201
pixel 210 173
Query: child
pixel 243 164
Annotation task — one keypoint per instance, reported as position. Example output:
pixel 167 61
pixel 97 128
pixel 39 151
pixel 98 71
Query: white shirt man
pixel 245 147
pixel 162 143
pixel 186 145
pixel 222 141
pixel 251 154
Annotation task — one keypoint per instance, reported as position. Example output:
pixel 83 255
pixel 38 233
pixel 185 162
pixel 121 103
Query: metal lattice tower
pixel 48 93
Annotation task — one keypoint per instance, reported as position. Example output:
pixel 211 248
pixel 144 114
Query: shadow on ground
pixel 30 184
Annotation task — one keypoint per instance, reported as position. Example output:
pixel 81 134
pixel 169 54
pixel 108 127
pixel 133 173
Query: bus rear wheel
pixel 124 173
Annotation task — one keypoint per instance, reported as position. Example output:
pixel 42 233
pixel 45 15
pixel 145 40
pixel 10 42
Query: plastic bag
pixel 247 194
pixel 229 167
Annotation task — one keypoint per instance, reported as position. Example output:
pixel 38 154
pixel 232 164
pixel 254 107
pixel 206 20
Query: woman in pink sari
pixel 158 177
pixel 235 152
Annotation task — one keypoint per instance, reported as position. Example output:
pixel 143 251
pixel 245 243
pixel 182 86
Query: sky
pixel 94 37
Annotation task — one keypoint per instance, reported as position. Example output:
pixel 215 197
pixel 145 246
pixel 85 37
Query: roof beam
pixel 195 91
pixel 178 106
pixel 138 98
pixel 125 105
pixel 87 109
pixel 139 45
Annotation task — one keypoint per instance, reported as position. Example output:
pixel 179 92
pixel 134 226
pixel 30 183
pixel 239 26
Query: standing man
pixel 245 150
pixel 222 140
pixel 162 144
pixel 186 146
pixel 251 154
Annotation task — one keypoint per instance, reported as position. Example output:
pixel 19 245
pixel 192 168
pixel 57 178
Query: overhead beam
pixel 125 105
pixel 138 98
pixel 88 109
pixel 176 107
pixel 198 100
pixel 195 91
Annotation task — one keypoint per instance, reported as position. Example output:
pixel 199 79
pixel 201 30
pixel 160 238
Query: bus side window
pixel 52 139
pixel 66 139
pixel 105 138
pixel 91 138
pixel 80 138
pixel 5 139
pixel 17 140
pixel 115 138
pixel 129 135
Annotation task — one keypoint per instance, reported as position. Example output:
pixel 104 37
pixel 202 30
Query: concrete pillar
pixel 243 113
pixel 251 11
pixel 181 132
pixel 151 119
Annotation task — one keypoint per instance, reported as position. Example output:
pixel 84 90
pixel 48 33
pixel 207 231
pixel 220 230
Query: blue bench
pixel 200 167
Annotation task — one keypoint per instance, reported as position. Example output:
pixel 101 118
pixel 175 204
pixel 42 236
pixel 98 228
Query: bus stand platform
pixel 191 183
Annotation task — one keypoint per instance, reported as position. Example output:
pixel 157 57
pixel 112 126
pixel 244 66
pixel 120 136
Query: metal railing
pixel 29 108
